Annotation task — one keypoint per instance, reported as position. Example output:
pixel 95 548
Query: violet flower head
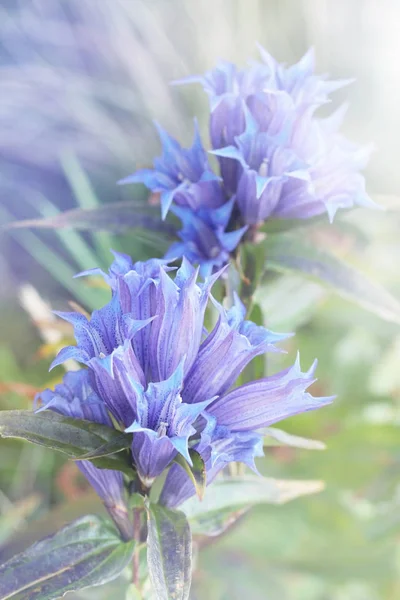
pixel 153 367
pixel 181 175
pixel 265 163
pixel 204 237
pixel 258 161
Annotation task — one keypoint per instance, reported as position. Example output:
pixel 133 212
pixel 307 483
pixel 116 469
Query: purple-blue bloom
pixel 152 366
pixel 181 175
pixel 276 158
pixel 204 237
pixel 288 163
pixel 266 163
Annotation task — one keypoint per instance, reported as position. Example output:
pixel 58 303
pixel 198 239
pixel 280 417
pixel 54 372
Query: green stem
pixel 136 557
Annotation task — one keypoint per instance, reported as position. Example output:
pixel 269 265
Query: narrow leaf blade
pixel 109 217
pixel 169 553
pixel 290 253
pixel 86 553
pixel 230 497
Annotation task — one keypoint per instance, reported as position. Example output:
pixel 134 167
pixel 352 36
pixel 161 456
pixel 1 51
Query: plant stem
pixel 136 557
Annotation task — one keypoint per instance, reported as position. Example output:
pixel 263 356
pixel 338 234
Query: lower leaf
pixel 229 498
pixel 292 253
pixel 83 554
pixel 169 553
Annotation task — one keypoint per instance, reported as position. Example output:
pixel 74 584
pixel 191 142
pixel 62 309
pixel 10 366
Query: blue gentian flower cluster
pixel 276 158
pixel 150 367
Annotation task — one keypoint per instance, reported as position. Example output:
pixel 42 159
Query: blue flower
pixel 204 239
pixel 265 163
pixel 75 397
pixel 181 175
pixel 152 366
pixel 276 156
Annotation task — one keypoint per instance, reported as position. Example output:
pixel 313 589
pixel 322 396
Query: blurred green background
pixel 81 83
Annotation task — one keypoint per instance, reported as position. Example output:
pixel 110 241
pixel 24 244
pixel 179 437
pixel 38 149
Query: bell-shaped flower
pixel 204 239
pixel 181 175
pixel 265 164
pixel 173 388
pixel 290 163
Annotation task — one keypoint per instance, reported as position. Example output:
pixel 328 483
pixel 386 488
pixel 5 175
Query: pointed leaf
pixel 231 497
pixel 214 523
pixel 278 437
pixel 74 437
pixel 83 554
pixel 290 253
pixel 122 442
pixel 196 472
pixel 169 553
pixel 109 217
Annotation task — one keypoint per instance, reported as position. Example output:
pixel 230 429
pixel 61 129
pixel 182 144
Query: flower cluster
pixel 276 158
pixel 151 368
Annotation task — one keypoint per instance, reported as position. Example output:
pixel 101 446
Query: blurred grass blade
pixel 117 217
pixel 290 253
pixel 86 198
pixel 15 516
pixel 169 553
pixel 84 554
pixel 58 268
pixel 79 250
pixel 79 181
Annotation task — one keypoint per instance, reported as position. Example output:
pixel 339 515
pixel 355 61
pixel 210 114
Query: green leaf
pixel 122 442
pixel 169 553
pixel 291 253
pixel 236 493
pixel 84 554
pixel 74 437
pixel 278 437
pixel 109 217
pixel 215 522
pixel 282 225
pixel 196 472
